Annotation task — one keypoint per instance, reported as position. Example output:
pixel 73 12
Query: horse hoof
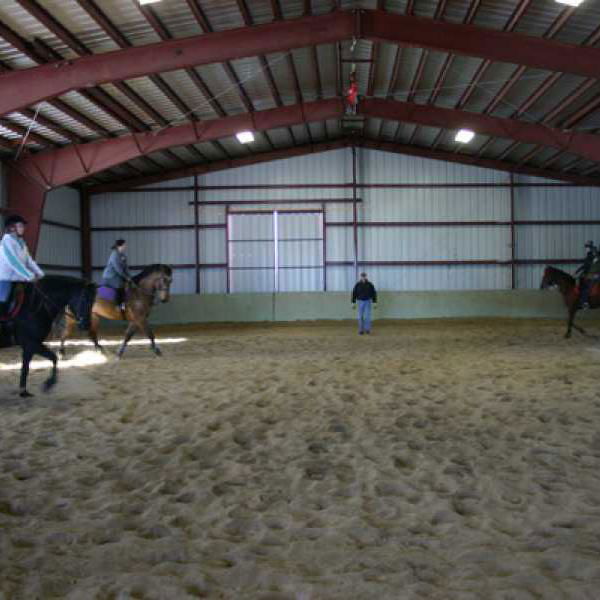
pixel 157 351
pixel 48 385
pixel 25 394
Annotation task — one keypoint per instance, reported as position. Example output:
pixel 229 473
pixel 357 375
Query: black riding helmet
pixel 589 244
pixel 14 220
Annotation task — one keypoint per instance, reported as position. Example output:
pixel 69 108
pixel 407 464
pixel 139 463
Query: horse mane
pixel 151 269
pixel 562 273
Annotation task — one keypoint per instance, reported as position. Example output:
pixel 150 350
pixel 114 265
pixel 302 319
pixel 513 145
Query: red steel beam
pixel 489 44
pixel 28 86
pixel 476 161
pixel 76 161
pixel 583 144
pixel 221 165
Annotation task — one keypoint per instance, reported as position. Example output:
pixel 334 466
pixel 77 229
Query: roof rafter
pixel 25 87
pixel 76 161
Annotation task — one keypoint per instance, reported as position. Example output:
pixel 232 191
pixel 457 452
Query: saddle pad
pixel 107 293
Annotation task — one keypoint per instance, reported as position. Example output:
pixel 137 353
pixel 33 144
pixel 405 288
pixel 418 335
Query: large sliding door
pixel 275 251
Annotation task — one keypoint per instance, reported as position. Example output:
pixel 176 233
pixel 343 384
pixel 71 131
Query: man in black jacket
pixel 364 292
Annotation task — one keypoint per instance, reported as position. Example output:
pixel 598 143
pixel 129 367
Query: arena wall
pixel 422 225
pixel 59 247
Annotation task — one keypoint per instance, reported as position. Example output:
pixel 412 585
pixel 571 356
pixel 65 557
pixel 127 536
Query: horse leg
pixel 128 335
pixel 66 333
pixel 150 334
pixel 44 351
pixel 94 332
pixel 26 359
pixel 572 311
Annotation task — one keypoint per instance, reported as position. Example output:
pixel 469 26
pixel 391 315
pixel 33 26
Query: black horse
pixel 42 303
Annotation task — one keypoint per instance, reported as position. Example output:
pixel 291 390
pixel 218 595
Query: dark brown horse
pixel 152 285
pixel 569 289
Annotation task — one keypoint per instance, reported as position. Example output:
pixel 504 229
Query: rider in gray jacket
pixel 116 273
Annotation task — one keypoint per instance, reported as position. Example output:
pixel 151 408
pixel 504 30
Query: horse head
pixel 554 277
pixel 157 279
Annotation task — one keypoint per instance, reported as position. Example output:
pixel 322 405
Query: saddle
pixel 15 303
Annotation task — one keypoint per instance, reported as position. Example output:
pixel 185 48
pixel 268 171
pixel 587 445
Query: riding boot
pixel 3 309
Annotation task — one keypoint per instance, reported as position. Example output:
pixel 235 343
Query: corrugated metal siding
pixel 143 208
pixel 58 245
pixel 384 167
pixel 62 205
pixel 463 277
pixel 462 204
pixel 146 247
pixel 434 243
pixel 400 243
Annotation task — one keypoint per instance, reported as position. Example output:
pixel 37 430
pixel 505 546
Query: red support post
pixel 26 197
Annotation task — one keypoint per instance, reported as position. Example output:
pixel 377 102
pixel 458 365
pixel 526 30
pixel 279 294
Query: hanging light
pixel 570 2
pixel 245 137
pixel 464 136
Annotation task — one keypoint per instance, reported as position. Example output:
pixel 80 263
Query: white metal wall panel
pixel 212 246
pixel 461 277
pixel 252 280
pixel 213 281
pixel 340 244
pixel 184 281
pixel 59 246
pixel 553 241
pixel 323 167
pixel 211 215
pixel 301 280
pixel 340 279
pixel 461 204
pixel 251 227
pixel 434 243
pixel 142 208
pixel 143 247
pixel 62 206
pixel 557 203
pixel 296 226
pixel 384 167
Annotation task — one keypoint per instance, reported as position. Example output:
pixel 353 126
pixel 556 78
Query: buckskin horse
pixel 152 285
pixel 35 308
pixel 569 289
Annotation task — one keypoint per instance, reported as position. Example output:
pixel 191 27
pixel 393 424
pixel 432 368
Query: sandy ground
pixel 440 460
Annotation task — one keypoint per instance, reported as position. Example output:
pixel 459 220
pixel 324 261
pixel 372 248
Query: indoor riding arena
pixel 342 343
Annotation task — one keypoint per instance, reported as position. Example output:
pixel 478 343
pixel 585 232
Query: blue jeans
pixel 364 315
pixel 5 287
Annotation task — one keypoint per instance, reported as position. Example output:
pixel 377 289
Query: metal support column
pixel 85 234
pixel 513 266
pixel 354 212
pixel 197 231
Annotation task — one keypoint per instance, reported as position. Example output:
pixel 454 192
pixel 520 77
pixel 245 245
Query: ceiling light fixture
pixel 142 2
pixel 570 2
pixel 464 136
pixel 245 137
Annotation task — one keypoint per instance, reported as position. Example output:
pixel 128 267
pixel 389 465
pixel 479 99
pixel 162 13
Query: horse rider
pixel 16 263
pixel 116 273
pixel 586 271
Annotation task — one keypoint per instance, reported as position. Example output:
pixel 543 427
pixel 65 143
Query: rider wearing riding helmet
pixel 116 273
pixel 590 266
pixel 16 263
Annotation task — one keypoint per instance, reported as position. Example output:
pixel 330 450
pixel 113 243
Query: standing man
pixel 364 292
